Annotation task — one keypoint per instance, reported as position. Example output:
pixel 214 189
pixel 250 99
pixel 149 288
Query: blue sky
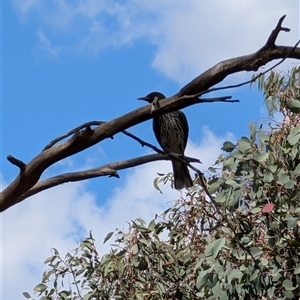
pixel 65 63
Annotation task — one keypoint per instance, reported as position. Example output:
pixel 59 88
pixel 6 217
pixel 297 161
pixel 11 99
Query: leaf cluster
pixel 240 241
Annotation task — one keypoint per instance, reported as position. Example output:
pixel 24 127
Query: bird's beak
pixel 144 98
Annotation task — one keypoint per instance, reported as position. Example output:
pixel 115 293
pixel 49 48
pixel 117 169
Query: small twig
pixel 181 158
pixel 274 34
pixel 16 162
pixel 143 143
pixel 218 99
pixel 69 265
pixel 80 127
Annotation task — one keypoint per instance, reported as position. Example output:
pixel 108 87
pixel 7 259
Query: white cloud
pixel 62 216
pixel 189 35
pixel 45 46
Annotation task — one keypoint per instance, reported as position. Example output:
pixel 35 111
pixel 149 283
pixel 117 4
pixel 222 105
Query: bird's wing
pixel 156 129
pixel 185 126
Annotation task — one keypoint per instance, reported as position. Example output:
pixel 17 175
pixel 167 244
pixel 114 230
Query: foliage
pixel 240 241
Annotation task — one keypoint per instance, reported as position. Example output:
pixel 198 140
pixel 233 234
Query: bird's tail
pixel 182 177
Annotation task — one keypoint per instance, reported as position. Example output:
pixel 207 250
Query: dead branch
pixel 16 162
pixel 86 137
pixel 105 170
pixel 251 62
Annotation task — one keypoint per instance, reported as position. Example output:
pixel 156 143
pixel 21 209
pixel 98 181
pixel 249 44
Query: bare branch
pixel 274 34
pixel 105 170
pixel 253 79
pixel 219 99
pixel 75 130
pixel 249 62
pixel 143 143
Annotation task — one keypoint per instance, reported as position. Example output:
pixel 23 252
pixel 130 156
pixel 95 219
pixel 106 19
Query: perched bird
pixel 171 131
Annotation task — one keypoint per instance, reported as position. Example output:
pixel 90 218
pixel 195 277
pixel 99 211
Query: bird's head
pixel 152 97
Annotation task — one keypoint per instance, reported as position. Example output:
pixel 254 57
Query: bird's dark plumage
pixel 171 131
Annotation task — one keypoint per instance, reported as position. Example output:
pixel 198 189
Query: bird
pixel 171 131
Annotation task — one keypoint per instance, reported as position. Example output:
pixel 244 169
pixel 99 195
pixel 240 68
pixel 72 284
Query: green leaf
pixel 212 170
pixel 294 106
pixel 255 251
pixel 213 186
pixel 263 137
pixel 297 270
pixel 232 274
pixel 291 221
pixel 290 185
pixel 264 261
pixel 288 285
pixel 214 248
pixel 256 210
pixel 268 177
pixel 55 251
pixel 141 221
pixel 40 288
pixel 151 225
pixel 201 279
pixel 237 154
pixel 229 161
pixel 156 182
pixel 294 135
pixel 26 295
pixel 108 236
pixel 260 156
pixel 228 146
pixel 245 145
pixel 297 170
pixel 231 183
pixel 283 178
pixel 135 249
pixel 235 197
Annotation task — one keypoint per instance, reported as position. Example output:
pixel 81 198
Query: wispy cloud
pixel 189 35
pixel 45 47
pixel 62 216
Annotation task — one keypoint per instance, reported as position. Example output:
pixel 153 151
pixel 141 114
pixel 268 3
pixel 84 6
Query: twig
pixel 16 162
pixel 56 140
pixel 142 142
pixel 109 169
pixel 218 99
pixel 274 34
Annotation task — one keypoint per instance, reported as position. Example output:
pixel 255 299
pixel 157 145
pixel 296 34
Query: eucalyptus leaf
pixel 260 156
pixel 294 106
pixel 228 146
pixel 108 236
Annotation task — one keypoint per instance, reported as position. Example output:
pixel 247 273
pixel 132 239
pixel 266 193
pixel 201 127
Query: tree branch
pixel 274 34
pixel 83 138
pixel 250 62
pixel 16 162
pixel 105 170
